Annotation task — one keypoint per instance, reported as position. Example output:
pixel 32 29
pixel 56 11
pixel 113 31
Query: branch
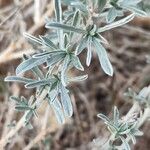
pixel 20 124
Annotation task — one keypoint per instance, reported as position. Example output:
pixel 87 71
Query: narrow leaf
pixel 29 64
pixel 101 5
pixel 47 42
pixel 89 52
pixel 32 38
pixel 22 108
pixel 58 111
pixel 136 10
pixel 65 27
pixel 48 54
pixel 112 14
pixel 117 23
pixel 103 117
pixel 103 58
pixel 130 2
pixel 39 83
pixel 64 69
pixel 126 145
pixel 18 79
pixel 66 102
pixel 54 59
pixel 58 11
pixel 76 63
pixel 116 115
pixel 80 6
pixel 37 72
pixel 82 45
pixel 78 78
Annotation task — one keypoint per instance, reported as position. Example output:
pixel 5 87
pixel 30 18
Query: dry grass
pixel 128 47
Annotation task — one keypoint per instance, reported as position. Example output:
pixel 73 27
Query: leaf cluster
pixel 123 130
pixel 72 31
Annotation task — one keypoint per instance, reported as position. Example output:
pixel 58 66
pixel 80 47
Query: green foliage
pixel 121 129
pixel 143 97
pixel 72 32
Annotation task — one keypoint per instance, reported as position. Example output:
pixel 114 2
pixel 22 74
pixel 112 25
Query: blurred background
pixel 128 47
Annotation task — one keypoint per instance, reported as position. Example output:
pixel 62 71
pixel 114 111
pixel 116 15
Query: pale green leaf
pixel 65 27
pixel 116 24
pixel 103 58
pixel 66 102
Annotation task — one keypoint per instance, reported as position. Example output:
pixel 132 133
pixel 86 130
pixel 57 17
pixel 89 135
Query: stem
pixel 37 14
pixel 145 116
pixel 106 145
pixel 91 11
pixel 58 14
pixel 134 109
pixel 20 123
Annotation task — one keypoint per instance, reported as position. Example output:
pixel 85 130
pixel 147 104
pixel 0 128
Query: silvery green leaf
pixel 123 132
pixel 138 132
pixel 132 137
pixel 28 116
pixel 103 58
pixel 117 23
pixel 112 14
pixel 78 78
pixel 130 93
pixel 80 6
pixel 29 125
pixel 29 64
pixel 37 72
pixel 82 45
pixel 16 99
pixel 65 27
pixel 32 38
pixel 47 42
pixel 38 83
pixel 144 92
pixel 108 122
pixel 101 39
pixel 47 54
pixel 89 51
pixel 64 69
pixel 101 4
pixel 136 10
pixel 116 115
pixel 66 40
pixel 55 59
pixel 66 101
pixel 23 101
pixel 76 19
pixel 104 118
pixel 76 63
pixel 18 79
pixel 68 2
pixel 58 11
pixel 92 29
pixel 58 110
pixel 126 145
pixel 53 95
pixel 30 101
pixel 22 108
pixel 68 17
pixel 130 2
pixel 123 126
pixel 54 84
pixel 58 14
